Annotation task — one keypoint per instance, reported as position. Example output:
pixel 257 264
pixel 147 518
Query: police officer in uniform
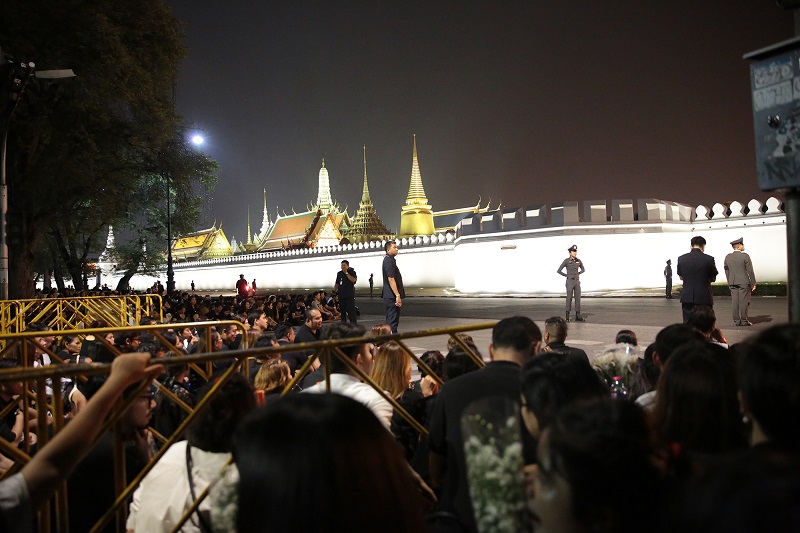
pixel 741 280
pixel 574 267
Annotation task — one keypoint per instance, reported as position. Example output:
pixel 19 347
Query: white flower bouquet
pixel 493 452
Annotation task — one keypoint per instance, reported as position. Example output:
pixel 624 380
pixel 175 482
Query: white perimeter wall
pixel 617 256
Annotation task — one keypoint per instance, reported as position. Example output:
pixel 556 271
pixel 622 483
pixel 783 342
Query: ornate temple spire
pixel 324 200
pixel 104 257
pixel 416 217
pixel 249 238
pixel 416 192
pixel 366 225
pixel 365 194
pixel 265 223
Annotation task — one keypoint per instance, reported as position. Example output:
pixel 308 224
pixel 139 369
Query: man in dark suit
pixel 697 270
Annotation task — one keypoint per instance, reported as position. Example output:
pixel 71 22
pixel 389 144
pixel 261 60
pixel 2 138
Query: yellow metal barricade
pixel 73 313
pixel 23 345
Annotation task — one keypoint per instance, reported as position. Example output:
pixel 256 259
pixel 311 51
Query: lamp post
pixel 20 75
pixel 197 140
pixel 170 271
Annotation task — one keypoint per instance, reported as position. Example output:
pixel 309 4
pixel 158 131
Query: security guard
pixel 574 268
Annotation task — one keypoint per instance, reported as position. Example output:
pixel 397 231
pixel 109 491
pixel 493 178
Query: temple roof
pixel 366 225
pixel 448 220
pixel 203 244
pixel 290 231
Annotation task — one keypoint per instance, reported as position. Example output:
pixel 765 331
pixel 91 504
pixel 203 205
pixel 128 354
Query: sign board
pixel 775 86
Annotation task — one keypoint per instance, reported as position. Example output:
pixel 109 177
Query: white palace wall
pixel 519 250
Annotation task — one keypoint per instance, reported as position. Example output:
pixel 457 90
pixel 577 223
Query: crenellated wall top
pixel 554 215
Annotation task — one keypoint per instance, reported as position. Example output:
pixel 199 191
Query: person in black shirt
pixel 345 285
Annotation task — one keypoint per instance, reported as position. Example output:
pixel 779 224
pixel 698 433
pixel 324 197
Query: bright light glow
pixel 198 140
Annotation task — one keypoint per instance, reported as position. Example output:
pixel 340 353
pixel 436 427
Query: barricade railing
pixel 74 313
pixel 36 380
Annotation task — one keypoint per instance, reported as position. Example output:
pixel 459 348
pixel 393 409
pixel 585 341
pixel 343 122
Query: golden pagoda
pixel 367 225
pixel 416 217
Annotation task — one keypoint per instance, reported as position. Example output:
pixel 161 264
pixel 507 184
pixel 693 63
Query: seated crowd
pixel 702 436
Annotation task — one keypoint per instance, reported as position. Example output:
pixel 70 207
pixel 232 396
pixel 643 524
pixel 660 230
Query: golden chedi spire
pixel 416 217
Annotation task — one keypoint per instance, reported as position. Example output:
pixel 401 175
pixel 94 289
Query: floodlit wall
pixel 624 245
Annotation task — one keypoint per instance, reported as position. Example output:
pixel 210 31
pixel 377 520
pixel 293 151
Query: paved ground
pixel 605 315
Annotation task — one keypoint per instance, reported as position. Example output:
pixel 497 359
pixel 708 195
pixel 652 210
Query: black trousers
pixel 347 307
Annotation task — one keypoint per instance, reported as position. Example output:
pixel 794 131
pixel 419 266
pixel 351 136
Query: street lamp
pixel 21 73
pixel 197 140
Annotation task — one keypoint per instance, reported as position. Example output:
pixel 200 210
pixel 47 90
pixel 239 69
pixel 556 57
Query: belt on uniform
pixel 571 277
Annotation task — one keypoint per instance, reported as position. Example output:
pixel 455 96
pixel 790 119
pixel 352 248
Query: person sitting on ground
pixel 310 331
pixel 555 333
pixel 126 342
pixel 91 486
pixel 552 381
pixel 168 414
pixel 272 378
pixel 586 451
pixel 435 361
pixel 769 373
pixel 457 362
pixel 69 349
pixel 392 373
pixel 697 407
pixel 704 320
pixel 345 381
pixel 284 334
pixel 189 466
pixel 300 452
pixel 380 329
pixel 626 336
pixel 29 489
pixel 667 341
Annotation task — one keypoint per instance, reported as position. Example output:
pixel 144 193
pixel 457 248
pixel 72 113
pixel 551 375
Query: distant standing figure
pixel 393 291
pixel 241 287
pixel 345 285
pixel 574 268
pixel 697 270
pixel 668 277
pixel 741 280
pixel 253 288
pixel 370 285
pixel 192 285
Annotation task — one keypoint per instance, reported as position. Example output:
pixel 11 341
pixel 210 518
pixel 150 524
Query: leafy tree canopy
pixel 97 150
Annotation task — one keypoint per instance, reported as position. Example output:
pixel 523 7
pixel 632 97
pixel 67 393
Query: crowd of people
pixel 705 436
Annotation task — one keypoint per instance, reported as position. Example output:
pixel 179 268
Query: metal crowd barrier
pixel 35 380
pixel 74 313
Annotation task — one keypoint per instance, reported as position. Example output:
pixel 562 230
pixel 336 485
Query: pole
pixel 791 207
pixel 170 271
pixel 3 220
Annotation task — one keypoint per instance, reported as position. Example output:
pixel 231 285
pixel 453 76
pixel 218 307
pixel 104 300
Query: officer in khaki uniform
pixel 574 267
pixel 741 280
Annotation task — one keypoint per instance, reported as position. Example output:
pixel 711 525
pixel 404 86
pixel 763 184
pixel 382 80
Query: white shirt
pixel 163 495
pixel 352 387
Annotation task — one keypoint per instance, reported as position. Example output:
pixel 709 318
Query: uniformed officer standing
pixel 574 268
pixel 741 280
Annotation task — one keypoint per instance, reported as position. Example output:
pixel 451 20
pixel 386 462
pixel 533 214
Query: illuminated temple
pixel 325 223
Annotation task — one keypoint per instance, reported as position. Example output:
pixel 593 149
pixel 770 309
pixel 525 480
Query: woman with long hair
pixel 391 371
pixel 322 462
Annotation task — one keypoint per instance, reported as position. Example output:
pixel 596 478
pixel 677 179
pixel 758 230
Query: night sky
pixel 520 102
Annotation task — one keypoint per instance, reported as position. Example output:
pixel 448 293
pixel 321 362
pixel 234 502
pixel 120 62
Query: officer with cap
pixel 741 281
pixel 574 267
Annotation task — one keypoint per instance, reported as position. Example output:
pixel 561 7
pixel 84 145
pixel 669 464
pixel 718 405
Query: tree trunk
pixel 122 286
pixel 21 284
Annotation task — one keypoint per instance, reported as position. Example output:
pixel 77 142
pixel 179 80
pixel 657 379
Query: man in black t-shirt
pixel 345 285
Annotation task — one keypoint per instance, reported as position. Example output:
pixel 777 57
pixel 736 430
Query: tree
pixel 90 152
